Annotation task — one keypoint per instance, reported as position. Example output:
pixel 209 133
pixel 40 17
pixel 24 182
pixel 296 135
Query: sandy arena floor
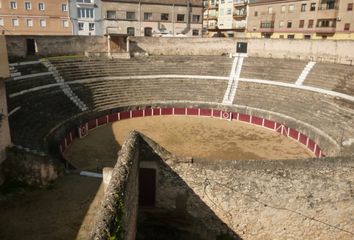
pixel 198 137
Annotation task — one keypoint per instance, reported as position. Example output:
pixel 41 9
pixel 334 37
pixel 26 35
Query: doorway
pixel 31 46
pixel 147 187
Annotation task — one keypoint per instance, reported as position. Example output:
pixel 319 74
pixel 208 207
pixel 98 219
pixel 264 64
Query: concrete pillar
pixel 107 175
pixel 109 46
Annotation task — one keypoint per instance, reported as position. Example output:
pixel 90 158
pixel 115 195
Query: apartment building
pixel 296 19
pixel 226 17
pixel 152 17
pixel 35 17
pixel 86 17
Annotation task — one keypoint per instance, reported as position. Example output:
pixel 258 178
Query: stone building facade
pixel 35 17
pixel 227 17
pixel 86 17
pixel 152 17
pixel 319 19
pixel 5 139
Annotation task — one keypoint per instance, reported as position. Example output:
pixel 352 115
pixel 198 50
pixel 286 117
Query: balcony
pixel 239 25
pixel 239 15
pixel 326 26
pixel 240 2
pixel 267 26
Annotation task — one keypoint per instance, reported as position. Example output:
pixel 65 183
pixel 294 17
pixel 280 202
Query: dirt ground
pixel 54 213
pixel 66 210
pixel 198 137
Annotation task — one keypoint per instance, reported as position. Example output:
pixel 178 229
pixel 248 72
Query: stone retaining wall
pixel 57 45
pixel 335 51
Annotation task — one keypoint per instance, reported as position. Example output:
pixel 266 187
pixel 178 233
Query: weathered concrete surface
pixel 316 50
pixel 302 199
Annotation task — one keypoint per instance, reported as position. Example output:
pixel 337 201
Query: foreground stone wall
pixel 301 199
pixel 316 50
pixel 57 45
pixel 118 214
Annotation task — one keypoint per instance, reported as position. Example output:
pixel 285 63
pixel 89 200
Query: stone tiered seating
pixel 115 93
pixel 331 115
pixel 81 68
pixel 40 112
pixel 335 77
pixel 279 70
pixel 13 86
pixel 31 69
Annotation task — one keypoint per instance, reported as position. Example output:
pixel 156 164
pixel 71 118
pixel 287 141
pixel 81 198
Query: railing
pixel 240 2
pixel 240 15
pixel 323 7
pixel 267 25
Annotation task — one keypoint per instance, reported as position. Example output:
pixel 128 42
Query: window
pixel 111 15
pixel 65 23
pixel 313 7
pixel 180 17
pixel 15 22
pixel 131 31
pixel 164 16
pixel 228 11
pixel 346 27
pixel 42 23
pixel 303 7
pixel 281 24
pixel 29 23
pixel 13 5
pixel 310 24
pixel 255 13
pixel 350 7
pixel 64 7
pixel 289 24
pixel 85 12
pixel 196 18
pixel 84 1
pixel 130 15
pixel 81 26
pixel 1 22
pixel 301 23
pixel 195 32
pixel 291 36
pixel 291 8
pixel 222 1
pixel 281 36
pixel 283 8
pixel 267 24
pixel 91 27
pixel 270 10
pixel 41 6
pixel 307 36
pixel 147 16
pixel 28 6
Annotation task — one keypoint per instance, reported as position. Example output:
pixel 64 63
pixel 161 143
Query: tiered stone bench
pixel 82 68
pixel 330 115
pixel 335 77
pixel 115 93
pixel 39 113
pixel 279 70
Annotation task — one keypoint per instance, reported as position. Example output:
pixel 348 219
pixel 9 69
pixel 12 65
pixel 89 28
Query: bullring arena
pixel 211 144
